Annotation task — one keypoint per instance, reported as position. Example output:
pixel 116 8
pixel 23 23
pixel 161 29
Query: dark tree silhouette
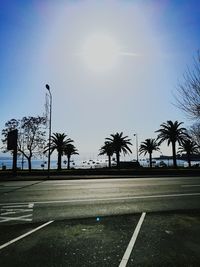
pixel 120 144
pixel 31 136
pixel 190 147
pixel 172 133
pixel 70 150
pixel 107 149
pixel 59 143
pixel 188 92
pixel 148 146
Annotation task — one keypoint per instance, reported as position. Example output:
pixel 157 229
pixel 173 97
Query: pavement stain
pixel 82 231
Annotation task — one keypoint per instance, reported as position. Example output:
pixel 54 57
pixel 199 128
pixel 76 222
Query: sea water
pixel 41 164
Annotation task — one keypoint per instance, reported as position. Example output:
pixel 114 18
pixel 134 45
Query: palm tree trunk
pixel 59 161
pixel 68 162
pixel 109 161
pixel 118 159
pixel 174 154
pixel 189 160
pixel 150 160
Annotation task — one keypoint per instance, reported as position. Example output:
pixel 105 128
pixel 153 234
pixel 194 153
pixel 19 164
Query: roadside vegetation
pixel 148 146
pixel 172 133
pixel 190 147
pixel 31 136
pixel 59 142
pixel 120 144
pixel 108 150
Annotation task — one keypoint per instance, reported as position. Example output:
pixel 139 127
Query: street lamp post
pixel 136 136
pixel 50 111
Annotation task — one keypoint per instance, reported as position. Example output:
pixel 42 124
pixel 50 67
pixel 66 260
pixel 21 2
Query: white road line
pixel 24 235
pixel 190 185
pixel 105 199
pixel 131 244
pixel 7 213
pixel 16 210
pixel 19 218
pixel 23 205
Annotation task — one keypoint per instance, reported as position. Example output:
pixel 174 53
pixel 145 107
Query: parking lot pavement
pixel 168 239
pixel 164 239
pixel 12 231
pixel 85 242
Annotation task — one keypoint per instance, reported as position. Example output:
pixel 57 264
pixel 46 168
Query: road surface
pixel 35 228
pixel 63 199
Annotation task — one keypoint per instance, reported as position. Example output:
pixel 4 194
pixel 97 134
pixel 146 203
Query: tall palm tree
pixel 120 144
pixel 107 149
pixel 148 146
pixel 58 142
pixel 70 150
pixel 190 147
pixel 172 133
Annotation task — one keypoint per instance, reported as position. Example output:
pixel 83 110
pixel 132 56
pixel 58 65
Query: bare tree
pixel 31 136
pixel 194 132
pixel 188 97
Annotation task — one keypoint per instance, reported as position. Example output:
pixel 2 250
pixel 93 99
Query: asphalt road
pixel 34 201
pixel 35 229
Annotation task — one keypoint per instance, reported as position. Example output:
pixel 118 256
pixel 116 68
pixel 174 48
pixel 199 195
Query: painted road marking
pixel 20 218
pixel 23 205
pixel 131 244
pixel 112 198
pixel 190 185
pixel 24 235
pixel 19 212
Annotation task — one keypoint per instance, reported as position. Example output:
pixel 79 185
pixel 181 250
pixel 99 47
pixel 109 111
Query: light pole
pixel 136 136
pixel 50 110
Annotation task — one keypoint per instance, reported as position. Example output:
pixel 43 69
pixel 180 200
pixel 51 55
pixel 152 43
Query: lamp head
pixel 48 87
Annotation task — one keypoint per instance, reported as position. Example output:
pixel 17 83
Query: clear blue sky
pixel 42 42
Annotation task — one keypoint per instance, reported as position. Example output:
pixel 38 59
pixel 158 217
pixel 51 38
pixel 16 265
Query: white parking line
pixel 131 244
pixel 24 235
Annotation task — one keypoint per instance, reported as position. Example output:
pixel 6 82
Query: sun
pixel 100 52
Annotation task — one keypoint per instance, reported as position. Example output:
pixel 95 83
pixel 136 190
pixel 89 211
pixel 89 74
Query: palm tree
pixel 107 149
pixel 58 142
pixel 190 147
pixel 148 146
pixel 70 150
pixel 120 144
pixel 172 133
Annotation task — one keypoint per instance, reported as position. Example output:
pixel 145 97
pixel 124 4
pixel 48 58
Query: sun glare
pixel 100 52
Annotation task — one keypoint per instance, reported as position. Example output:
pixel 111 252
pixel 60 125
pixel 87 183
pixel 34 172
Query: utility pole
pixel 136 136
pixel 50 112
